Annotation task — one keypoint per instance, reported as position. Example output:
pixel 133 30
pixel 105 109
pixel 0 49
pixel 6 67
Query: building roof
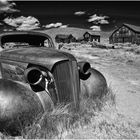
pixel 130 26
pixel 133 27
pixel 93 33
pixel 81 32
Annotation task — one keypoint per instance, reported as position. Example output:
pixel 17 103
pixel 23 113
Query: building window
pixel 87 35
pixel 117 33
pixel 123 29
pixel 129 32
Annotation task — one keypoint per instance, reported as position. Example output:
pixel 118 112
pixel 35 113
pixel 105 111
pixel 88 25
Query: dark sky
pixel 63 11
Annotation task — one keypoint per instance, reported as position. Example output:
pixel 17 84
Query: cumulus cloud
pixel 95 28
pixel 7 7
pixel 79 13
pixel 56 25
pixel 98 19
pixel 104 21
pixel 53 25
pixel 63 26
pixel 23 23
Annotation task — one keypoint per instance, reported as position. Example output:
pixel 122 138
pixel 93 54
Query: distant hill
pixel 76 32
pixel 6 27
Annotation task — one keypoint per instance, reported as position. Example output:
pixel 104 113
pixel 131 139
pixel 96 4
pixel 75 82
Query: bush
pixel 135 50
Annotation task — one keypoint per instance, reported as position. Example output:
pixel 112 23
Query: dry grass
pixel 96 118
pixel 63 120
pixel 93 44
pixel 135 50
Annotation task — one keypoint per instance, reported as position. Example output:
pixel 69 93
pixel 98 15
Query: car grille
pixel 67 81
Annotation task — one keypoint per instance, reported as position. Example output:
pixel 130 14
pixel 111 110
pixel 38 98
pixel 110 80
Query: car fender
pixel 19 106
pixel 46 101
pixel 95 85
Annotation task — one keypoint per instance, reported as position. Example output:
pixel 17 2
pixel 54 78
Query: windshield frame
pixel 38 38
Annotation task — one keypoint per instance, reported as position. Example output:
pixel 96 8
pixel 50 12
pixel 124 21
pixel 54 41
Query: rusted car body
pixel 35 78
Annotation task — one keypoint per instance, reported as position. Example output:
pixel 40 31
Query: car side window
pixel 47 43
pixel 13 72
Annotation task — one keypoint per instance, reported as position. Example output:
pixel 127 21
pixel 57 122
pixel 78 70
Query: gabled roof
pixel 130 26
pixel 133 27
pixel 93 33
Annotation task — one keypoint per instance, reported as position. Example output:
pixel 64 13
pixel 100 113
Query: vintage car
pixel 35 78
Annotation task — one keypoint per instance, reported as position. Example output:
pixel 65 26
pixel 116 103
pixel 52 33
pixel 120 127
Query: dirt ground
pixel 122 71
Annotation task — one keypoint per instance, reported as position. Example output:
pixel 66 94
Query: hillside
pixel 76 32
pixel 5 27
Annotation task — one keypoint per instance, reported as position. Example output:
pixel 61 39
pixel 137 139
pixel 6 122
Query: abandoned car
pixel 35 78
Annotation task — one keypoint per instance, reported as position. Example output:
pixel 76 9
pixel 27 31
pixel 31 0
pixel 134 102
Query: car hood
pixel 36 55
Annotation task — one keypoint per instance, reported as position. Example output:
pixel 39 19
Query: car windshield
pixel 24 40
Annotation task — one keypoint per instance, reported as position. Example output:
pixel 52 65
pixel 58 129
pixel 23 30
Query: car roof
pixel 23 33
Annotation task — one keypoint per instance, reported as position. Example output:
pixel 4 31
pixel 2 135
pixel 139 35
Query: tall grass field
pixel 96 118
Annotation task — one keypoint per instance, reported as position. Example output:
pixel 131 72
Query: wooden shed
pixel 63 38
pixel 91 36
pixel 126 33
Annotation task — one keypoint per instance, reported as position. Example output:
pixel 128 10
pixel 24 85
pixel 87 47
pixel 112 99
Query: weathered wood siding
pixel 89 37
pixel 125 34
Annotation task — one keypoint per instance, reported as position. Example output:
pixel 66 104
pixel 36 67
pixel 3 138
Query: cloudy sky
pixel 94 15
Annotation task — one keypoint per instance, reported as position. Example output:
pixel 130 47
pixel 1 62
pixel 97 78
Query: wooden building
pixel 63 38
pixel 88 36
pixel 126 33
pixel 91 36
pixel 79 36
